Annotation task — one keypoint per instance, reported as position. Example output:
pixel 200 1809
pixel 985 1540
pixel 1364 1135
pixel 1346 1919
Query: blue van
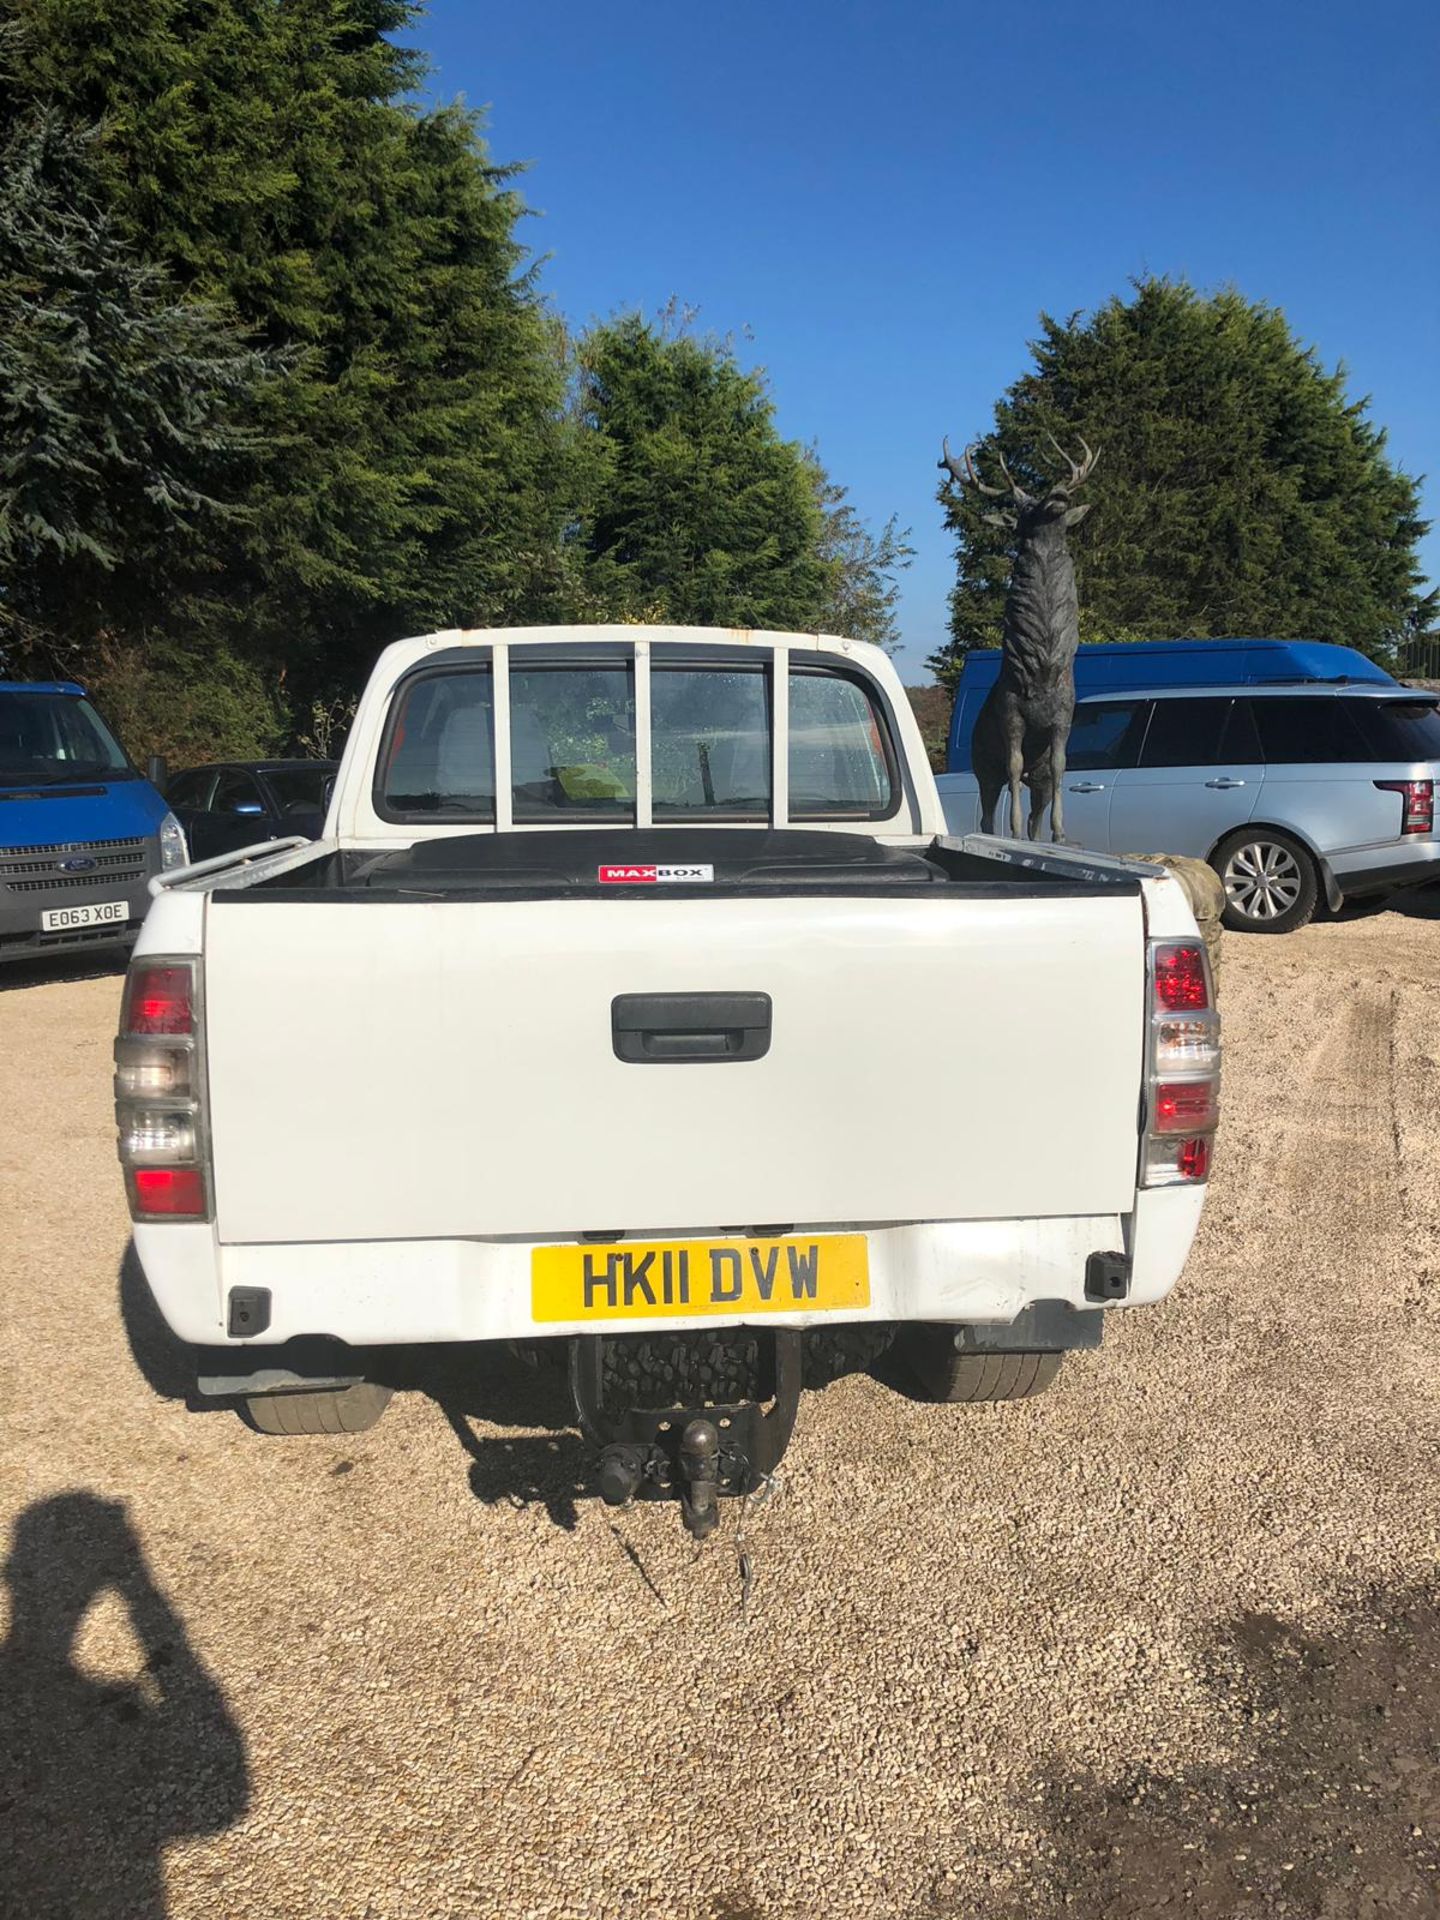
pixel 1164 663
pixel 81 829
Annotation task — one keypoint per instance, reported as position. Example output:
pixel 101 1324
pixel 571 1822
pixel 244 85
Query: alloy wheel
pixel 1262 879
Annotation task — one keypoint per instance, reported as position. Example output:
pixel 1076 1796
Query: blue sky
pixel 882 198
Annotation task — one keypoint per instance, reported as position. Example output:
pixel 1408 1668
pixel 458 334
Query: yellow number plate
pixel 658 1280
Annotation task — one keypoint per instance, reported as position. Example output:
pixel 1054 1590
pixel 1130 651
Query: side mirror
pixel 327 792
pixel 249 807
pixel 157 772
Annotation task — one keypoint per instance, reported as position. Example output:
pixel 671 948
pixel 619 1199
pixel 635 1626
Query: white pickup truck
pixel 636 1009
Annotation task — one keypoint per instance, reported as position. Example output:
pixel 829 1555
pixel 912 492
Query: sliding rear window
pixel 573 743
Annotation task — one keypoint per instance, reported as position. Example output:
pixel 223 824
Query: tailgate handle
pixel 666 1029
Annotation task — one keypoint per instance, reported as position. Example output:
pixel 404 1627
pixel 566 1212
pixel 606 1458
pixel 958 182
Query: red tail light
pixel 163 1138
pixel 1192 1161
pixel 1182 1067
pixel 1180 983
pixel 158 1000
pixel 172 1191
pixel 1418 813
pixel 1185 1106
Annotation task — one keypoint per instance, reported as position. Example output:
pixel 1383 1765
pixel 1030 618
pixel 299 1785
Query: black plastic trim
pixel 1107 1276
pixel 689 1029
pixel 247 1312
pixel 394 896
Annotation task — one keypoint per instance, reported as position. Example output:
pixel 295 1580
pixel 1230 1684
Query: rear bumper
pixel 391 1293
pixel 1374 869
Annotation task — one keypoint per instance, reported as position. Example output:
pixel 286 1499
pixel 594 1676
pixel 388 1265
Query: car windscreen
pixel 48 737
pixel 573 743
pixel 299 789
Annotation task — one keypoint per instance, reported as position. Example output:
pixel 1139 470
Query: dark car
pixel 225 807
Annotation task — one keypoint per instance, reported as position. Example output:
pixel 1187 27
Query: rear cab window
pixel 574 742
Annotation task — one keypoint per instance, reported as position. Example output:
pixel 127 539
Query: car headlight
pixel 173 850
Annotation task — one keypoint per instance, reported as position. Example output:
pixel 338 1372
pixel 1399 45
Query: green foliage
pixel 695 511
pixel 125 413
pixel 862 591
pixel 279 385
pixel 188 700
pixel 272 160
pixel 1239 489
pixel 931 707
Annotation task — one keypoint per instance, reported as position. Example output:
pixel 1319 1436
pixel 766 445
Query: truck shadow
pixel 1331 1804
pixel 550 1469
pixel 544 1463
pixel 98 1777
pixel 166 1364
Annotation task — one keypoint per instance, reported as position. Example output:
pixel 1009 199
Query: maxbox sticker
pixel 652 876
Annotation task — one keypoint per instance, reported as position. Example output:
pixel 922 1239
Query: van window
pixel 1105 734
pixel 55 737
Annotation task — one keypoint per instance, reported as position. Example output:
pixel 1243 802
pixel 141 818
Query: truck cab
pixel 82 831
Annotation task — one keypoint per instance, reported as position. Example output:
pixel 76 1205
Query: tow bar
pixel 695 1454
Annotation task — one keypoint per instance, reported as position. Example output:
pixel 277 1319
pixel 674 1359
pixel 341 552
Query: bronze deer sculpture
pixel 1023 727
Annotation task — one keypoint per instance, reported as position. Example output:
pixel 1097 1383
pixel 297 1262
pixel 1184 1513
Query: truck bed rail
pixel 241 857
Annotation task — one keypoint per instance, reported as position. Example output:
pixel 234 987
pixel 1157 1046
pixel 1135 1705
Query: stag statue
pixel 1023 727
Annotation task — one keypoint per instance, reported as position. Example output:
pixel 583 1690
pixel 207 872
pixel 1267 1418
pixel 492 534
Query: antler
pixel 963 472
pixel 1080 473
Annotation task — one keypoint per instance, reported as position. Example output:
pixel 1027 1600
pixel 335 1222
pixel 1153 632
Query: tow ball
pixel 697 1455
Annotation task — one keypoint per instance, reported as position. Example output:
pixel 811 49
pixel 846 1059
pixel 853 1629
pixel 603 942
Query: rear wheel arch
pixel 1334 892
pixel 1300 876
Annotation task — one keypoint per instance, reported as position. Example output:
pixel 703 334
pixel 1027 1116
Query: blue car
pixel 81 830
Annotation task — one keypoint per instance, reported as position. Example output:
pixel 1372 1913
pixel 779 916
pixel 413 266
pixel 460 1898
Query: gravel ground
pixel 1163 1638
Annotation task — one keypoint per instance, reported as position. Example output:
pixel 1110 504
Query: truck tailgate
pixel 442 1069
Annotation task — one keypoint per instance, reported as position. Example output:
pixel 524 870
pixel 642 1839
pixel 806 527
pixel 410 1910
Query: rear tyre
pixel 1271 881
pixel 328 1410
pixel 957 1379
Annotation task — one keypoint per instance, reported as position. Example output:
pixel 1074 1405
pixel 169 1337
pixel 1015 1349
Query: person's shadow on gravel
pixel 96 1778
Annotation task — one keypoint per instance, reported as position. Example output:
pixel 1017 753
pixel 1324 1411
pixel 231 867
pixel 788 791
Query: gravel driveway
pixel 1162 1640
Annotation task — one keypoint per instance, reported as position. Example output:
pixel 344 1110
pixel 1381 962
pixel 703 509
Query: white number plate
pixel 62 919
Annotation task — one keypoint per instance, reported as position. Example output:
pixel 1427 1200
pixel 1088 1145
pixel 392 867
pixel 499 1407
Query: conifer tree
pixel 1240 489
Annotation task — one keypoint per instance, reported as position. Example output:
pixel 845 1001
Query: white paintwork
pixel 406 1098
pixel 372 1292
pixel 444 1068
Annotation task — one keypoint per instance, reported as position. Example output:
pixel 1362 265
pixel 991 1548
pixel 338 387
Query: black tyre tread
pixel 969 1379
pixel 1304 909
pixel 329 1410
